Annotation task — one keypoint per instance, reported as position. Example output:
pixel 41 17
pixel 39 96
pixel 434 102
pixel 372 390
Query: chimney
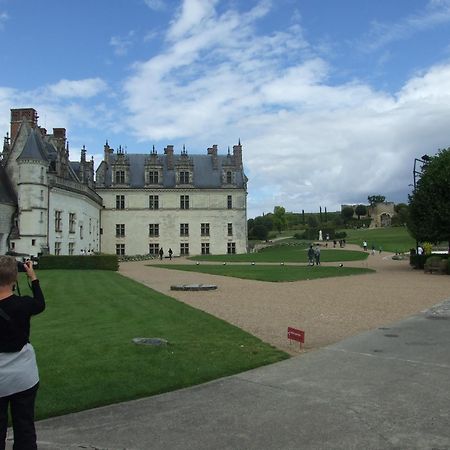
pixel 237 154
pixel 59 133
pixel 28 115
pixel 169 152
pixel 107 152
pixel 213 152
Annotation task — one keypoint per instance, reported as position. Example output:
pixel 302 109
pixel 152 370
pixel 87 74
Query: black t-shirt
pixel 15 332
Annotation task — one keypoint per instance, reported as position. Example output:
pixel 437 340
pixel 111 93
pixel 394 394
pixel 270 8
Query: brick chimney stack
pixel 213 152
pixel 29 115
pixel 169 152
pixel 237 154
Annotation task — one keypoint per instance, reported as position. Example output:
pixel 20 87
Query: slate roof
pixel 34 148
pixel 205 176
pixel 7 194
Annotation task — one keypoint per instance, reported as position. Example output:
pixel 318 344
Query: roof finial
pixel 239 143
pixel 229 151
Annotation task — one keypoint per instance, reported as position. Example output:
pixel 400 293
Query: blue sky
pixel 332 100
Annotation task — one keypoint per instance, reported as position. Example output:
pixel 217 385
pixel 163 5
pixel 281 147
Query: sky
pixel 331 100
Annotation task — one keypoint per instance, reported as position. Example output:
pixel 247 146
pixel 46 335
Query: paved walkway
pixel 384 389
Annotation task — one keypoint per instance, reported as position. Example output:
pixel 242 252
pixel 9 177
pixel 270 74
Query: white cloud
pixel 192 15
pixel 156 5
pixel 122 44
pixel 307 142
pixel 436 13
pixel 86 88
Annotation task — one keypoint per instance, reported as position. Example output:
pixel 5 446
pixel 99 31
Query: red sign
pixel 296 335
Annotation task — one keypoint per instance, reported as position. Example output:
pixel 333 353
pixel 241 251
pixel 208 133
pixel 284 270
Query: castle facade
pixel 136 204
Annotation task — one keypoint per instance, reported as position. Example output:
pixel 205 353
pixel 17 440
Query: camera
pixel 21 266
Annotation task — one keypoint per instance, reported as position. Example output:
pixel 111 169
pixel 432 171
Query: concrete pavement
pixel 388 388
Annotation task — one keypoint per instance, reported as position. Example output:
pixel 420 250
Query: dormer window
pixel 184 177
pixel 153 177
pixel 119 177
pixel 229 177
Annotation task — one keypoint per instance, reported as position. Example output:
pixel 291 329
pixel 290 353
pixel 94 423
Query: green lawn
pixel 269 272
pixel 391 239
pixel 84 343
pixel 286 253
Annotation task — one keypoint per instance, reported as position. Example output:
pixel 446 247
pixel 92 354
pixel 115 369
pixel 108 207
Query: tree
pixel 429 204
pixel 312 221
pixel 347 213
pixel 402 214
pixel 374 199
pixel 279 218
pixel 259 232
pixel 361 210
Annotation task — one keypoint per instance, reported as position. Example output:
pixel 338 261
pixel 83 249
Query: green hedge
pixel 83 262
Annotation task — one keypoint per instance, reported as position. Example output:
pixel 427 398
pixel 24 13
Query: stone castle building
pixel 136 204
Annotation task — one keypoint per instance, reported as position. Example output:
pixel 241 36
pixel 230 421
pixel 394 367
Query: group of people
pixel 19 377
pixel 161 253
pixel 314 255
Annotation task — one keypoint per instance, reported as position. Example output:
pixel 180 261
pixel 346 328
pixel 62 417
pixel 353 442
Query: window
pixel 120 201
pixel 41 217
pixel 229 202
pixel 204 229
pixel 120 249
pixel 71 248
pixel 230 229
pixel 57 248
pixel 229 177
pixel 184 177
pixel 58 221
pixel 153 201
pixel 184 229
pixel 153 177
pixel 184 249
pixel 90 226
pixel 205 248
pixel 119 177
pixel 81 231
pixel 231 248
pixel 42 195
pixel 153 230
pixel 120 230
pixel 33 241
pixel 72 222
pixel 184 201
pixel 153 249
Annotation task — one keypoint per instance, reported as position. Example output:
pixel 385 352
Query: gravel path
pixel 328 310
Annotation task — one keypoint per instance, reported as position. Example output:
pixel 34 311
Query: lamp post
pixel 417 173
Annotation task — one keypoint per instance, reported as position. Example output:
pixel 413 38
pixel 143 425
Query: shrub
pixel 91 262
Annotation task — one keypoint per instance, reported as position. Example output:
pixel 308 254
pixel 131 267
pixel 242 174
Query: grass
pixel 269 272
pixel 286 253
pixel 391 239
pixel 86 357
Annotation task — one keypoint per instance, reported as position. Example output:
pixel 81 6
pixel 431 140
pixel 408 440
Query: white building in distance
pixel 138 203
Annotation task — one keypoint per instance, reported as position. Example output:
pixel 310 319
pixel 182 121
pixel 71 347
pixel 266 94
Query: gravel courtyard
pixel 328 310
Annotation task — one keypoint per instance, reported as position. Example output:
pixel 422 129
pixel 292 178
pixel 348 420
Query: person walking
pixel 161 253
pixel 19 376
pixel 317 255
pixel 170 254
pixel 311 255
